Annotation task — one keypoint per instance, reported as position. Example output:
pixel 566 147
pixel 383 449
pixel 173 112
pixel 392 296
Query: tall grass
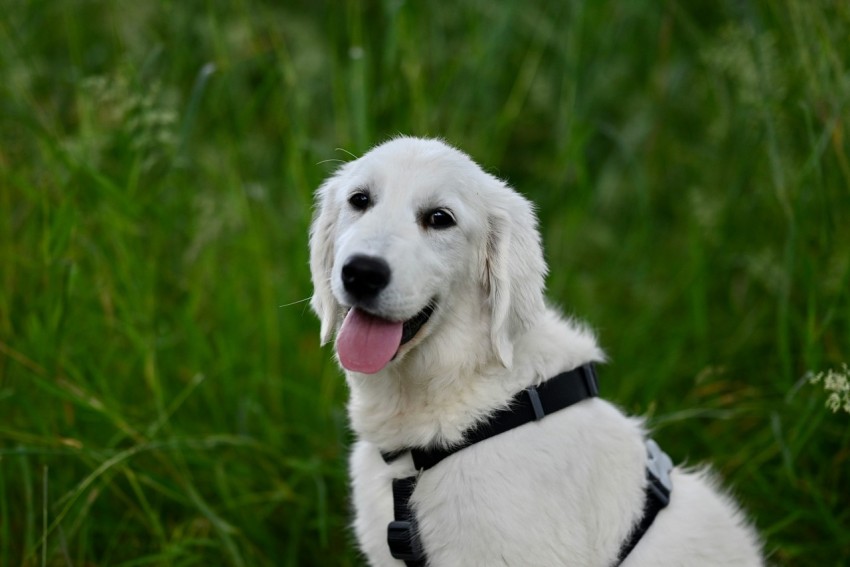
pixel 164 399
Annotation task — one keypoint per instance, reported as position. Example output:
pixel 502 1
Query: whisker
pixel 346 151
pixel 294 302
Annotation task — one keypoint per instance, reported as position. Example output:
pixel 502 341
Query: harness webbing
pixel 402 534
pixel 531 404
pixel 652 504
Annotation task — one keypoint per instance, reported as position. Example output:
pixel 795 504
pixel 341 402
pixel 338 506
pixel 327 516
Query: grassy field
pixel 163 398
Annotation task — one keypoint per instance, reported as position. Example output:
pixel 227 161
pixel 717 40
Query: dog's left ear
pixel 322 236
pixel 514 271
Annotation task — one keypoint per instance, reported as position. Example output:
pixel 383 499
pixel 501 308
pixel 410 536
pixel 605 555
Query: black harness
pixel 531 404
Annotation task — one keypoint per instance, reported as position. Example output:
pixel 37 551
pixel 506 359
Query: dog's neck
pixel 422 401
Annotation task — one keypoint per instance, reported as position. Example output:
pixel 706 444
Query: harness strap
pixel 658 488
pixel 532 404
pixel 652 504
pixel 402 535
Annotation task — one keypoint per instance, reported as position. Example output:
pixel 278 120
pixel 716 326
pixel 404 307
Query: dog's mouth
pixel 412 325
pixel 367 343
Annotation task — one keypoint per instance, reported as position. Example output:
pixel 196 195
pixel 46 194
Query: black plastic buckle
pixel 403 541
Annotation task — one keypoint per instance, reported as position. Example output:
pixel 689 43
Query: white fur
pixel 562 491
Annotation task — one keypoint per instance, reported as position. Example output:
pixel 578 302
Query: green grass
pixel 164 399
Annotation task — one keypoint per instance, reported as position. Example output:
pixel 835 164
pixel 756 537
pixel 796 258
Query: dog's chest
pixel 538 495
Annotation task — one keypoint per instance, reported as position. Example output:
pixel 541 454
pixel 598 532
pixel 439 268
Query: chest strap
pixel 531 404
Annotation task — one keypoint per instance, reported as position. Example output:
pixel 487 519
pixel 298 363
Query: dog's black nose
pixel 365 276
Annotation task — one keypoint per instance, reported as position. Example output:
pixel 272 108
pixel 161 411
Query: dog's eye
pixel 360 200
pixel 439 218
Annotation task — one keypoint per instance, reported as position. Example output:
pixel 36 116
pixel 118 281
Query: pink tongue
pixel 366 343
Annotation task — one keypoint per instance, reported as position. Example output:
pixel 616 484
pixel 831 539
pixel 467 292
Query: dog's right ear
pixel 322 236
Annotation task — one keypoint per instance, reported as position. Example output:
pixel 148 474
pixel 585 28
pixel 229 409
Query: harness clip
pixel 659 465
pixel 404 544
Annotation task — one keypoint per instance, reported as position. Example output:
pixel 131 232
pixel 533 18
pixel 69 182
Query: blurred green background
pixel 163 397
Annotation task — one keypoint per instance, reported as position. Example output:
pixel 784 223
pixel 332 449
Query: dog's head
pixel 404 233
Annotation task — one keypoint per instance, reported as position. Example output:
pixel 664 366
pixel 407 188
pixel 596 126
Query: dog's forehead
pixel 421 170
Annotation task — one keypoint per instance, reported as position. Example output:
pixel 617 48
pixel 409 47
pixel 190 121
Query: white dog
pixel 431 275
